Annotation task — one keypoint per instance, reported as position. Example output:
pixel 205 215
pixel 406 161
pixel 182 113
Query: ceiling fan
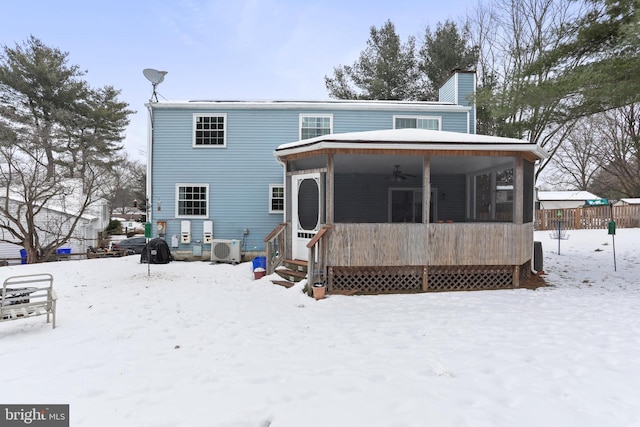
pixel 397 175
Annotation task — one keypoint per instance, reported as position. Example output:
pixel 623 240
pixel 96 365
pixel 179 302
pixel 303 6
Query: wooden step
pixel 284 283
pixel 291 275
pixel 296 264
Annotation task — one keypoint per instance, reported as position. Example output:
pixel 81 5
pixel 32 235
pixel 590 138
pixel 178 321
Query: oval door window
pixel 308 204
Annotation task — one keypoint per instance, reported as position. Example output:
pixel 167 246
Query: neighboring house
pixel 9 252
pixel 409 210
pixel 563 199
pixel 130 220
pixel 628 202
pixel 211 167
pixel 57 217
pixel 131 214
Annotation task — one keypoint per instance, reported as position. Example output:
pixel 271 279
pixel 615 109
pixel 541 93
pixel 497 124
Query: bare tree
pixel 39 212
pixel 575 163
pixel 123 183
pixel 619 152
pixel 513 35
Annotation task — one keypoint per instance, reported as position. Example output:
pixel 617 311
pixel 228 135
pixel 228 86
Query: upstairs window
pixel 316 125
pixel 416 122
pixel 209 130
pixel 192 200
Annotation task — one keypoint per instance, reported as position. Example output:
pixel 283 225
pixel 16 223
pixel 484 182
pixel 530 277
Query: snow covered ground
pixel 195 344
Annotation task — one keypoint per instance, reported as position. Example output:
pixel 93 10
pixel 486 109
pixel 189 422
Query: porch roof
pixel 410 139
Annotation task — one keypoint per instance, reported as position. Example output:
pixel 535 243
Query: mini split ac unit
pixel 225 251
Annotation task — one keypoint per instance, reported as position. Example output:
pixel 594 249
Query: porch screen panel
pixel 504 195
pixel 308 204
pixel 527 191
pixel 483 197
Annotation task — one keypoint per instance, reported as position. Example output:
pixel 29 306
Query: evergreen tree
pixel 53 128
pixel 39 92
pixel 93 137
pixel 606 48
pixel 386 69
pixel 446 50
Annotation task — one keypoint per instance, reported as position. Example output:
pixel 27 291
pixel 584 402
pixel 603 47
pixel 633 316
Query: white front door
pixel 306 209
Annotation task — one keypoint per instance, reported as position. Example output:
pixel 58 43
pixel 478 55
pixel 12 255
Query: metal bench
pixel 27 296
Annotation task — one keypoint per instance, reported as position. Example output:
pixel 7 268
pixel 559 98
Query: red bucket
pixel 259 273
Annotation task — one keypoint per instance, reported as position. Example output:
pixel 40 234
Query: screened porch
pixel 379 188
pixel 410 210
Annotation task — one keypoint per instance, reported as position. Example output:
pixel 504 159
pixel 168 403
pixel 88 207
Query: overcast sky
pixel 224 50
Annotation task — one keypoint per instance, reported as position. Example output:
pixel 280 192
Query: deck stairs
pixel 292 271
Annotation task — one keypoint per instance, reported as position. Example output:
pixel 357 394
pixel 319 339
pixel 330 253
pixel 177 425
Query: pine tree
pixel 53 129
pixel 445 50
pixel 606 48
pixel 386 69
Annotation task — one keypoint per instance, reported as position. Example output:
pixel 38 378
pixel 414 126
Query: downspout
pixel 149 161
pixel 284 183
pixel 286 204
pixel 533 243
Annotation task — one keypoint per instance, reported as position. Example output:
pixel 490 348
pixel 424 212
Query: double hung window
pixel 416 122
pixel 192 200
pixel 276 198
pixel 209 130
pixel 312 126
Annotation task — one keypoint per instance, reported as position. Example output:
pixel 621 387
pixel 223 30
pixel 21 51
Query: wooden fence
pixel 591 217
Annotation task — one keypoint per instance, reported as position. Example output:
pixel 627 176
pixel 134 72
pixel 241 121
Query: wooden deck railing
pixel 393 245
pixel 317 265
pixel 592 217
pixel 275 243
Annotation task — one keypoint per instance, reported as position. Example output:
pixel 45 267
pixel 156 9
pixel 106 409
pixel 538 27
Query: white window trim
pixel 302 115
pixel 438 118
pixel 271 187
pixel 191 184
pixel 193 130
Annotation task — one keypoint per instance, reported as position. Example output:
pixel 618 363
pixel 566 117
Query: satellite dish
pixel 155 77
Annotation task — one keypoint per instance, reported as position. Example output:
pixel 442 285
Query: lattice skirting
pixel 469 278
pixel 525 270
pixel 376 280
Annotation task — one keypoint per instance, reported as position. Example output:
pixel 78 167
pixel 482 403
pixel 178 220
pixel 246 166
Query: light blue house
pixel 212 173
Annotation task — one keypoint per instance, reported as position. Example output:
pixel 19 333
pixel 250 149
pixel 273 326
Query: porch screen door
pixel 306 204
